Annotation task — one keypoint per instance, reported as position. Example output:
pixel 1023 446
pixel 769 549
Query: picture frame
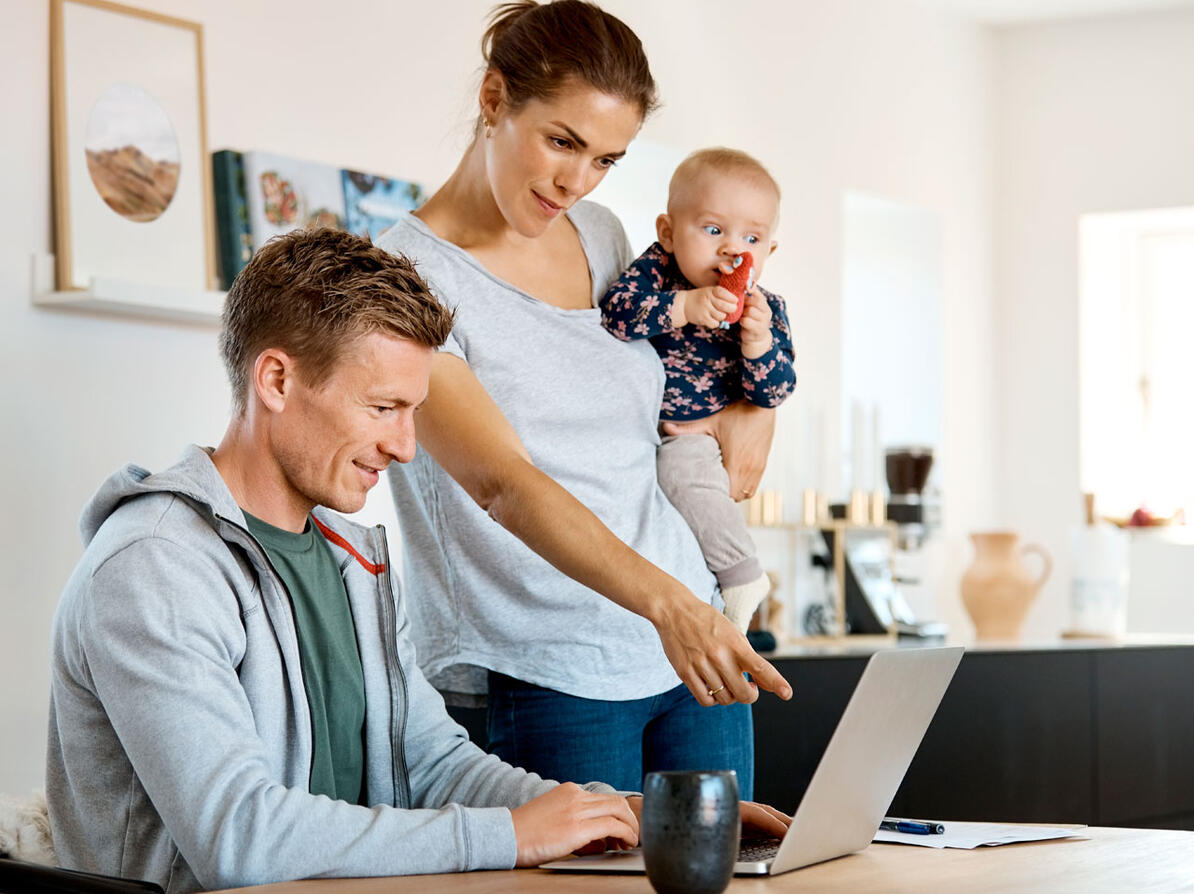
pixel 132 178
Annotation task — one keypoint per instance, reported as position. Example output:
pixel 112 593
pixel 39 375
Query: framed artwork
pixel 132 182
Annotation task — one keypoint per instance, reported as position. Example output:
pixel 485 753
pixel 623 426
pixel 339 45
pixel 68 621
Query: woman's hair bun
pixel 538 47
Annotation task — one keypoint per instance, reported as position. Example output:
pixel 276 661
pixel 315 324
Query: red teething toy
pixel 738 282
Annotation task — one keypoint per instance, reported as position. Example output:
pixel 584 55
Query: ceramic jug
pixel 997 589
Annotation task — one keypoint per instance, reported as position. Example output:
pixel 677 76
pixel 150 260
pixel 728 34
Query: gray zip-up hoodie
pixel 180 741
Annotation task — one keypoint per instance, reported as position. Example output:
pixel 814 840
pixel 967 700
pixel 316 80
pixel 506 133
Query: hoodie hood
pixel 194 478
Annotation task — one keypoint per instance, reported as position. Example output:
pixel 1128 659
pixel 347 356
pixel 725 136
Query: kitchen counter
pixel 866 645
pixel 1073 731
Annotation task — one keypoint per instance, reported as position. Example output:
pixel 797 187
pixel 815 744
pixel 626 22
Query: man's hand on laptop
pixel 763 821
pixel 758 820
pixel 568 818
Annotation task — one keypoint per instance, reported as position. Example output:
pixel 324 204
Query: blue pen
pixel 912 827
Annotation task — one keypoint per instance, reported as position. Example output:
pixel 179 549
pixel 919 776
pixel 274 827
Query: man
pixel 235 699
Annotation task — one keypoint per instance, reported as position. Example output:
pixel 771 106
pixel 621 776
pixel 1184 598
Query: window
pixel 1136 363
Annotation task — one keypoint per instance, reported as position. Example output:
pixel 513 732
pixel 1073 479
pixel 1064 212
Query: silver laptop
pixel 858 775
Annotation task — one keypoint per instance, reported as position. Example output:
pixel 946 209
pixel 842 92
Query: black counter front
pixel 1091 733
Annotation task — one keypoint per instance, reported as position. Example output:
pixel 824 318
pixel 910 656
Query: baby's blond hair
pixel 724 161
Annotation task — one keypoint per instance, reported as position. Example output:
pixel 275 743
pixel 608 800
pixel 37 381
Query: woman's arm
pixel 466 433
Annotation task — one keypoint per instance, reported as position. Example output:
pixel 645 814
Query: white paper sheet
pixel 972 835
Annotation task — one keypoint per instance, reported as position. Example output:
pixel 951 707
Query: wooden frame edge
pixel 63 256
pixel 205 174
pixel 138 13
pixel 61 174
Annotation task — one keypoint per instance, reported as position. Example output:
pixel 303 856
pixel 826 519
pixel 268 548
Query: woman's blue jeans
pixel 572 739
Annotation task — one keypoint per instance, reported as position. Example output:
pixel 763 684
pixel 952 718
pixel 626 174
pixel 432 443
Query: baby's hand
pixel 755 325
pixel 706 306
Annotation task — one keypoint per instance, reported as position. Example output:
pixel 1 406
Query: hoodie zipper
pixel 388 607
pixel 264 556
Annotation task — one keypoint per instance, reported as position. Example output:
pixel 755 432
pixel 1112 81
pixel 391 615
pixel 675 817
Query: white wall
pixel 874 95
pixel 1093 116
pixel 891 323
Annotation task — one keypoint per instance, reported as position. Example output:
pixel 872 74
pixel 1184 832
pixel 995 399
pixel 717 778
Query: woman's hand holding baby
pixel 706 306
pixel 756 325
pixel 744 432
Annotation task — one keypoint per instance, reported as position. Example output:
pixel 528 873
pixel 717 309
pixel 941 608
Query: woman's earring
pixel 488 130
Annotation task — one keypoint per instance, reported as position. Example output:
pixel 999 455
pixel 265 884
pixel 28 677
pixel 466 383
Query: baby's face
pixel 713 218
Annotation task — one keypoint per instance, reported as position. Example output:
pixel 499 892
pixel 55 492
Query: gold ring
pixel 713 692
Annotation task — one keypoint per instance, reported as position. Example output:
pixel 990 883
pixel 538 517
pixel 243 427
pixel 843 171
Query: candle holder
pixel 773 507
pixel 754 510
pixel 878 508
pixel 810 503
pixel 858 512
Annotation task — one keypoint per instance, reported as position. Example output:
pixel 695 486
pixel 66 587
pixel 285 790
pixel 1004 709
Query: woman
pixel 540 421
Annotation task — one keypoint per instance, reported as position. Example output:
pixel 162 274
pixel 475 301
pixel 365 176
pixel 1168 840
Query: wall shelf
pixel 127 298
pixel 838 527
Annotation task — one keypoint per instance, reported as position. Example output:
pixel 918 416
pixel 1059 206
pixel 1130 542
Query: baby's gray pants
pixel 693 478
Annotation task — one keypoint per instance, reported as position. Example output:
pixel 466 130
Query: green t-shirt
pixel 327 638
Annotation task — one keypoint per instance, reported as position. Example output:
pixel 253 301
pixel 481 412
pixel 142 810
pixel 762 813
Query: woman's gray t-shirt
pixel 586 406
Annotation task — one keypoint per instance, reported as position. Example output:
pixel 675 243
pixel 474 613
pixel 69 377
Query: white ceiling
pixel 1009 12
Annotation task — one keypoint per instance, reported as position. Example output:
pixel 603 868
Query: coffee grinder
pixel 907 474
pixel 916 514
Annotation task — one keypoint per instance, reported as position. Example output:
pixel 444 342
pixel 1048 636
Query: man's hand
pixel 706 306
pixel 755 334
pixel 763 821
pixel 758 820
pixel 710 655
pixel 744 432
pixel 568 818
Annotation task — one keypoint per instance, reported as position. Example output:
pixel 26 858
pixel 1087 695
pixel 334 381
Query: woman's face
pixel 546 156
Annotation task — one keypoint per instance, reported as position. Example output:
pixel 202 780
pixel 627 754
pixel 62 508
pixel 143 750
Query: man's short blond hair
pixel 312 293
pixel 724 161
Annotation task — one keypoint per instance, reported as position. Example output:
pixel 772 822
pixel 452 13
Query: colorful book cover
pixel 233 236
pixel 286 193
pixel 260 195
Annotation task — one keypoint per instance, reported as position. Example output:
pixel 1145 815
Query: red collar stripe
pixel 347 547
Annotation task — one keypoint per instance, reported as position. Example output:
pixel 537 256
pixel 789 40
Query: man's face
pixel 716 217
pixel 333 441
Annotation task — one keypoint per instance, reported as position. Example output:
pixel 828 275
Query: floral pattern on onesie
pixel 706 371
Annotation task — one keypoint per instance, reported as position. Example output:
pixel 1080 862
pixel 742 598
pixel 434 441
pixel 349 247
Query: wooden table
pixel 1113 860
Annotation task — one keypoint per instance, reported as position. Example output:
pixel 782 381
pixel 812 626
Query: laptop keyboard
pixel 758 851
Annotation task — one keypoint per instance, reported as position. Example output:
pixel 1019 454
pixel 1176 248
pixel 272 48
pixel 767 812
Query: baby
pixel 721 204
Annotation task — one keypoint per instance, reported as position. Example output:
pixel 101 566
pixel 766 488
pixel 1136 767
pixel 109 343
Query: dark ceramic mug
pixel 690 830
